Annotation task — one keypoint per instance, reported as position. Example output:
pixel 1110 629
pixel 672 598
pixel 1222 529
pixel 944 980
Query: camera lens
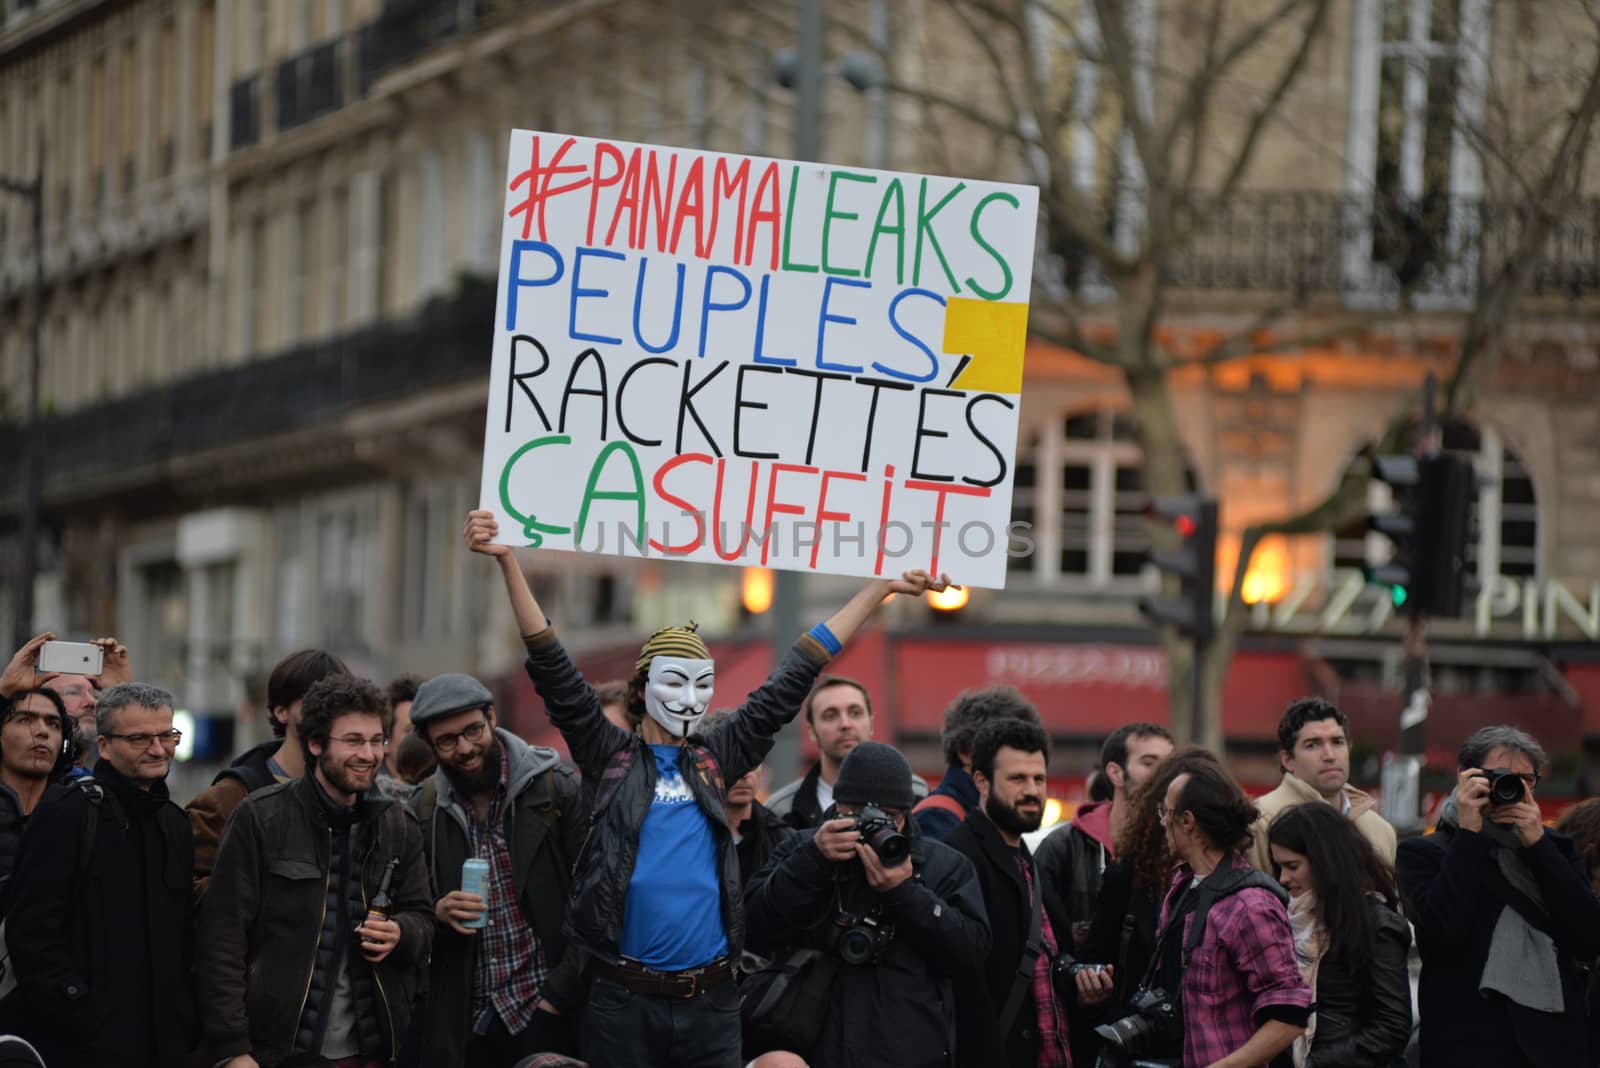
pixel 1129 1034
pixel 891 846
pixel 855 946
pixel 1505 788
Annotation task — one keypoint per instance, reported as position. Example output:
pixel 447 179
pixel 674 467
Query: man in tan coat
pixel 1314 744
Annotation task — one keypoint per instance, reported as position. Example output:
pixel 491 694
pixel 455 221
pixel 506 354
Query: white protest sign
pixel 748 361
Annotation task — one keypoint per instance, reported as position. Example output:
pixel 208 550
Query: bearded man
pixel 501 985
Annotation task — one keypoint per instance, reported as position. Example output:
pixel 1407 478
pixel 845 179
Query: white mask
pixel 677 692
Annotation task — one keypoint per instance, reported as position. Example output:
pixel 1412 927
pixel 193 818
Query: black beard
pixel 1009 819
pixel 477 782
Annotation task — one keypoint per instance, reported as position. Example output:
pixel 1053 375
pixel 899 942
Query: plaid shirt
pixel 1243 965
pixel 1054 1050
pixel 510 968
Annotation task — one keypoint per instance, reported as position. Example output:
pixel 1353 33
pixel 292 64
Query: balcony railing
pixel 447 341
pixel 1365 248
pixel 309 85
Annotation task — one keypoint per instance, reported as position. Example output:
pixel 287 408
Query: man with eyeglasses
pixel 98 920
pixel 508 988
pixel 295 958
pixel 1506 920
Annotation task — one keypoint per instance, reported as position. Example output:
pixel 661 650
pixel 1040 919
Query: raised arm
pixel 481 528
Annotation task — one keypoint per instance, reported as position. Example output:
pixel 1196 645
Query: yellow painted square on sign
pixel 995 335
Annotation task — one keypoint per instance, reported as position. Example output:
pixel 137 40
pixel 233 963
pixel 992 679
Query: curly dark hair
pixel 1307 710
pixel 1345 874
pixel 1581 823
pixel 335 696
pixel 972 709
pixel 1143 842
pixel 402 688
pixel 1018 734
pixel 622 692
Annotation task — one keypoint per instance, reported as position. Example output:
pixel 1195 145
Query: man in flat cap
pixel 501 984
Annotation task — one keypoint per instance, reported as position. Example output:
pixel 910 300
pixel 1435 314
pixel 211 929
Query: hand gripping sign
pixel 750 361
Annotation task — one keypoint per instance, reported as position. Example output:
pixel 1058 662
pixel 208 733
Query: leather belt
pixel 635 977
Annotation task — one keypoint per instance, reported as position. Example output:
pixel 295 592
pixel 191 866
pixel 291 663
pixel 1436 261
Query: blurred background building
pixel 271 232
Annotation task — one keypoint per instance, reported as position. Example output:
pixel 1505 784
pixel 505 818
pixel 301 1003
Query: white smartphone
pixel 71 658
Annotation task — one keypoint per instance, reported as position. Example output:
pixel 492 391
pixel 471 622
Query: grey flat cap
pixel 445 695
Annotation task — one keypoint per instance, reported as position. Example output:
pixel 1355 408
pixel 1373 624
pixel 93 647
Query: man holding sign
pixel 656 910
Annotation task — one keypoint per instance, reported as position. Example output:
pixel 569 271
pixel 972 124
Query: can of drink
pixel 475 880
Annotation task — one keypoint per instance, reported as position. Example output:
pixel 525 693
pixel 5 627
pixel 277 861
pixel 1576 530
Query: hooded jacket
pixel 898 1011
pixel 1073 861
pixel 624 769
pixel 540 791
pixel 1293 791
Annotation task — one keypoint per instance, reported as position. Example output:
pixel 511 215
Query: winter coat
pixel 896 1012
pixel 934 822
pixel 209 810
pixel 13 821
pixel 1364 1020
pixel 101 941
pixel 1073 859
pixel 540 791
pixel 983 992
pixel 625 770
pixel 759 837
pixel 1453 892
pixel 1292 791
pixel 261 923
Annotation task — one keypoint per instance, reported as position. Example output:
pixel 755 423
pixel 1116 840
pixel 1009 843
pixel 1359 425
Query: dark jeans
pixel 623 1030
pixel 500 1048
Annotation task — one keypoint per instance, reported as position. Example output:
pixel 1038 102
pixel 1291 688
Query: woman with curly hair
pixel 1122 935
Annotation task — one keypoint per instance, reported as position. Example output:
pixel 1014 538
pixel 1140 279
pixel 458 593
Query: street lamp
pixel 22 616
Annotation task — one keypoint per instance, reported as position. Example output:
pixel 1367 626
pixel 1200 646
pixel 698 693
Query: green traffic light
pixel 1397 594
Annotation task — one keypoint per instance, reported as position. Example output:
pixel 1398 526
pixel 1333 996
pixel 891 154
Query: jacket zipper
pixel 394 1042
pixel 322 920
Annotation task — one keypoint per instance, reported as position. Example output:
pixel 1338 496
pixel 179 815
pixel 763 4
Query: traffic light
pixel 1430 530
pixel 1193 561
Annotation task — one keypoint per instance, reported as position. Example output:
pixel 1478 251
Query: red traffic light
pixel 1185 526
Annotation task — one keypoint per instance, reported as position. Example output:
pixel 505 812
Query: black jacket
pixel 102 949
pixel 13 821
pixel 541 790
pixel 899 1011
pixel 981 994
pixel 759 837
pixel 1453 892
pixel 1122 934
pixel 625 769
pixel 1074 864
pixel 263 919
pixel 936 823
pixel 1364 1020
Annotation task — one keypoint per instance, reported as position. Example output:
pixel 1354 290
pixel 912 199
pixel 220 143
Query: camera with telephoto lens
pixel 1154 1021
pixel 1505 786
pixel 860 939
pixel 878 831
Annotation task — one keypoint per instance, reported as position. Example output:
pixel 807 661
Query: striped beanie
pixel 673 641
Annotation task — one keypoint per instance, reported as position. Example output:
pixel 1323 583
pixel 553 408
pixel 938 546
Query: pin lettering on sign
pixel 741 360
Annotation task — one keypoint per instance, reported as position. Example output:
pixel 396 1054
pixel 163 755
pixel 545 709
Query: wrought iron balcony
pixel 446 341
pixel 1368 248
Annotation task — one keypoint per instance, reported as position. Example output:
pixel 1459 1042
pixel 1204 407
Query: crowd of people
pixel 396 879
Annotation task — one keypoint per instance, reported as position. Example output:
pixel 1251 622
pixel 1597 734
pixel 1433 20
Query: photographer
pixel 896 933
pixel 1503 913
pixel 1222 988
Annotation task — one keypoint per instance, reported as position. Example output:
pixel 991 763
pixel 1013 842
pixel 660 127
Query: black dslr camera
pixel 1505 786
pixel 878 831
pixel 1154 1021
pixel 860 939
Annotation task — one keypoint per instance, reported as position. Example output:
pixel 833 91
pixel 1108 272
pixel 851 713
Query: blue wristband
pixel 825 638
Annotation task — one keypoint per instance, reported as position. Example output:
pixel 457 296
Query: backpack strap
pixel 427 805
pixel 96 794
pixel 941 803
pixel 1225 883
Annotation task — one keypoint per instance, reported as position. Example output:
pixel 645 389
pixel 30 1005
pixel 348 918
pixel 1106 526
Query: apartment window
pixel 430 225
pixel 338 238
pixel 481 204
pixel 1505 540
pixel 253 290
pixel 166 97
pixel 388 218
pixel 205 73
pixel 128 118
pixel 303 274
pixel 343 548
pixel 432 582
pixel 97 135
pixel 1080 489
pixel 163 620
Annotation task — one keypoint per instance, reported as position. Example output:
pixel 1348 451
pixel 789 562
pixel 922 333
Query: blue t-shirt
pixel 672 919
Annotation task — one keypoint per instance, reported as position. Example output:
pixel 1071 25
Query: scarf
pixel 1522 965
pixel 1310 945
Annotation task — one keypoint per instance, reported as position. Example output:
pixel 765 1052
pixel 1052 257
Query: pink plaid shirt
pixel 1051 1018
pixel 1243 965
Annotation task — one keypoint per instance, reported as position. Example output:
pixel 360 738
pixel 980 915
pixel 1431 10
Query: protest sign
pixel 749 361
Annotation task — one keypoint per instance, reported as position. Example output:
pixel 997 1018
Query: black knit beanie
pixel 875 774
